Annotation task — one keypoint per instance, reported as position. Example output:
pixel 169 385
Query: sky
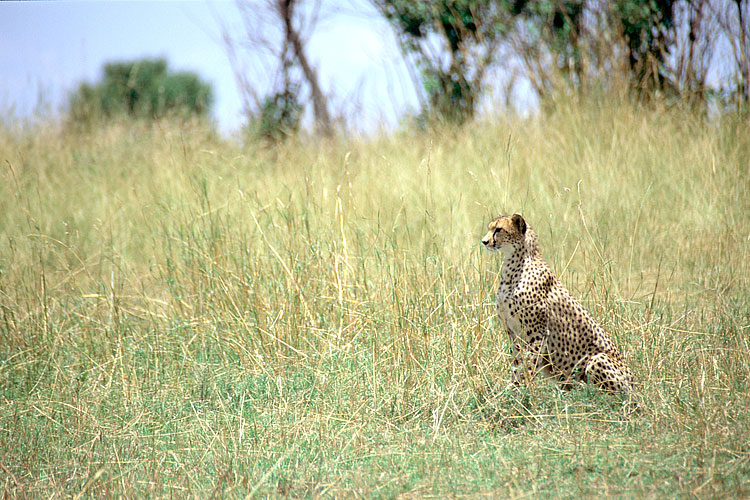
pixel 48 48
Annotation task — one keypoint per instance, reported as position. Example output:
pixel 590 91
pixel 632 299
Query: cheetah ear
pixel 519 223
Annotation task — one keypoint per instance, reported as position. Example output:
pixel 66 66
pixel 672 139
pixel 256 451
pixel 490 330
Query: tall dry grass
pixel 182 315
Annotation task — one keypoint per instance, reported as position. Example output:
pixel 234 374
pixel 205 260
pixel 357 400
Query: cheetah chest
pixel 504 300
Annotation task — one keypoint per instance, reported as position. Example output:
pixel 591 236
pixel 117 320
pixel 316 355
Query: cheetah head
pixel 505 233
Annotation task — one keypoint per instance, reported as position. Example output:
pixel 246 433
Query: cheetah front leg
pixel 528 359
pixel 517 364
pixel 537 358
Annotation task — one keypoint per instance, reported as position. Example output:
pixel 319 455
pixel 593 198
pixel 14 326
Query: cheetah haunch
pixel 545 321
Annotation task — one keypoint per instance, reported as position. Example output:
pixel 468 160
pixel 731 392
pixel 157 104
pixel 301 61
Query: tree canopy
pixel 144 88
pixel 467 32
pixel 459 47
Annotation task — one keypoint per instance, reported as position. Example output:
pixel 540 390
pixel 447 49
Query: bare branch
pixel 285 9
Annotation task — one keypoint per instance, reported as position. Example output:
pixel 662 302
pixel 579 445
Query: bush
pixel 278 118
pixel 141 89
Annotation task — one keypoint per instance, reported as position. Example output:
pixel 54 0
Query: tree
pixel 141 89
pixel 695 36
pixel 648 28
pixel 548 39
pixel 734 20
pixel 560 44
pixel 584 42
pixel 279 50
pixel 452 43
pixel 285 9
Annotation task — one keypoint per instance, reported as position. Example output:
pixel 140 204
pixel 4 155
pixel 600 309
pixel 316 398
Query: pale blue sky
pixel 48 48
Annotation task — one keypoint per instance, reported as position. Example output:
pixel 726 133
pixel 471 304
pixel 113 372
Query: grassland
pixel 182 316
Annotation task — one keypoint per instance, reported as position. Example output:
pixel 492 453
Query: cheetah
pixel 544 320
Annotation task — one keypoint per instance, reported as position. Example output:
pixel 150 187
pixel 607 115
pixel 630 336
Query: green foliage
pixel 556 25
pixel 279 116
pixel 141 89
pixel 648 30
pixel 452 88
pixel 576 35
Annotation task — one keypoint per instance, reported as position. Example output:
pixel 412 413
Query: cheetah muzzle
pixel 549 330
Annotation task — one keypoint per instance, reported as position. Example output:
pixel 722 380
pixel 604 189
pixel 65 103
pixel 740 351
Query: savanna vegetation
pixel 139 89
pixel 182 316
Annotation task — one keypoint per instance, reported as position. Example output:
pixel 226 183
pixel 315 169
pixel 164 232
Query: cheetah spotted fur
pixel 546 325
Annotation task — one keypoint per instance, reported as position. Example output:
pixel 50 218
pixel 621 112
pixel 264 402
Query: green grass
pixel 181 316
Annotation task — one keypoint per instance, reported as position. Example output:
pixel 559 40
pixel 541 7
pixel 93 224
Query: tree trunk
pixel 743 56
pixel 320 104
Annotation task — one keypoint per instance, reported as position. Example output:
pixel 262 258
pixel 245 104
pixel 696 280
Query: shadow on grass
pixel 513 408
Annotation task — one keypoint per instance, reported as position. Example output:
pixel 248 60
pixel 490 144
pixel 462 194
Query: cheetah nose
pixel 485 242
